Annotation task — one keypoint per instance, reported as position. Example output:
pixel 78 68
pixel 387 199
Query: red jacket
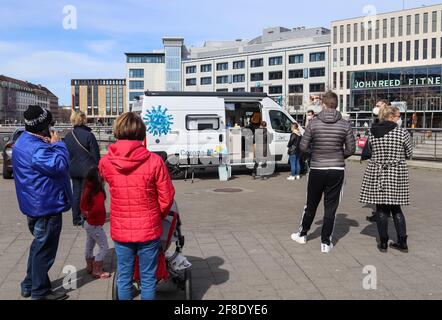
pixel 95 212
pixel 141 191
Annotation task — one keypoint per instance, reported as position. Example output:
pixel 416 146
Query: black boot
pixel 401 245
pixel 383 245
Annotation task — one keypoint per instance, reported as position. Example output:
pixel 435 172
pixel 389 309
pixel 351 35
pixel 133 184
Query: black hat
pixel 37 119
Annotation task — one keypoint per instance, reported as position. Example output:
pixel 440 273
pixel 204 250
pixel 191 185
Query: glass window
pixel 191 69
pixel 376 54
pixel 408 51
pixel 362 31
pixel 206 68
pixel 296 74
pixel 416 23
pixel 239 64
pixel 348 33
pixel 136 73
pixel 341 34
pixel 335 80
pixel 392 52
pixel 206 81
pixel 257 89
pixel 408 25
pixel 96 96
pixel 355 56
pixel 433 48
pixel 384 53
pixel 280 122
pixel 384 28
pixel 297 58
pixel 401 27
pixel 370 54
pixel 275 90
pixel 239 89
pixel 222 66
pixel 335 35
pixel 239 78
pixel 108 101
pixel 425 49
pixel 296 88
pixel 376 31
pixel 434 21
pixel 362 55
pixel 341 80
pixel 146 59
pixel 276 75
pixel 335 57
pixel 222 79
pixel 120 100
pixel 275 61
pixel 416 50
pixel 392 27
pixel 317 56
pixel 257 76
pixel 191 82
pixel 134 95
pixel 136 84
pixel 370 30
pixel 202 122
pixel 114 100
pixel 355 32
pixel 425 22
pixel 222 90
pixel 255 63
pixel 317 72
pixel 317 87
pixel 348 56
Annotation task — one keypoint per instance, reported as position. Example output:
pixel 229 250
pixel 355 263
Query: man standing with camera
pixel 41 172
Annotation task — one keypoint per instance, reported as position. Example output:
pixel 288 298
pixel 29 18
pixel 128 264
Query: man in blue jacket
pixel 41 172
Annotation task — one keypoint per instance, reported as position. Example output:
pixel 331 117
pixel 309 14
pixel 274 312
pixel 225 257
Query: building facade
pixel 395 56
pixel 16 95
pixel 102 100
pixel 291 65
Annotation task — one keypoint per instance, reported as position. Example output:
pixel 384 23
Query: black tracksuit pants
pixel 327 182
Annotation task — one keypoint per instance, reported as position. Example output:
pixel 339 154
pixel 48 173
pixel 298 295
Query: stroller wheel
pixel 115 287
pixel 188 284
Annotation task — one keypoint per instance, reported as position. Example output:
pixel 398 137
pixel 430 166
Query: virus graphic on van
pixel 157 121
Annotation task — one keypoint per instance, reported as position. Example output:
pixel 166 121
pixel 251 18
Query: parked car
pixel 7 152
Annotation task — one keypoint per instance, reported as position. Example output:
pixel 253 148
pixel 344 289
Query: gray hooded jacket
pixel 329 139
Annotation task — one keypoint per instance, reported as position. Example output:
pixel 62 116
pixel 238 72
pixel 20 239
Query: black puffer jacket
pixel 329 139
pixel 82 160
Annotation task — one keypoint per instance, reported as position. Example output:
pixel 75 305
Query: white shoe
pixel 297 238
pixel 298 177
pixel 326 248
pixel 291 178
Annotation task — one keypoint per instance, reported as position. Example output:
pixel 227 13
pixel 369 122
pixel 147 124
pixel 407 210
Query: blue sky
pixel 34 46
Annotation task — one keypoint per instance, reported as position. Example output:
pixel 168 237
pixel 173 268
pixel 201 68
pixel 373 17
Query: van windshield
pixel 280 122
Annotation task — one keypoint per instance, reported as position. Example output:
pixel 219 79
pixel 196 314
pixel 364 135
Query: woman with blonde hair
pixel 84 154
pixel 386 180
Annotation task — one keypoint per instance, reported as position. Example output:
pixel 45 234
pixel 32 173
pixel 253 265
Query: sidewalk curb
pixel 431 165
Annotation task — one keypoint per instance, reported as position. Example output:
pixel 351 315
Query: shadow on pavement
pixel 205 273
pixel 342 228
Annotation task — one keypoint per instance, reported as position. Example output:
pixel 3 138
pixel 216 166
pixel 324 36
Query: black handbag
pixel 367 153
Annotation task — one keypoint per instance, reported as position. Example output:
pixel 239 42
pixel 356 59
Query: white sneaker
pixel 291 178
pixel 297 238
pixel 298 177
pixel 326 248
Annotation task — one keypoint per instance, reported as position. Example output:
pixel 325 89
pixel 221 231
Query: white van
pixel 191 129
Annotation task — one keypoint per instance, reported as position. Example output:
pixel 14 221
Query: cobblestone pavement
pixel 240 247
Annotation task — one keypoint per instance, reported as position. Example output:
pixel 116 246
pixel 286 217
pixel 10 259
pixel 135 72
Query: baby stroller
pixel 171 266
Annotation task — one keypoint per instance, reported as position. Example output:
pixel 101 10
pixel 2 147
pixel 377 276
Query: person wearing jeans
pixel 294 152
pixel 141 196
pixel 148 258
pixel 41 172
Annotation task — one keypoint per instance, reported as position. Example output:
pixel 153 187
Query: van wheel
pixel 176 173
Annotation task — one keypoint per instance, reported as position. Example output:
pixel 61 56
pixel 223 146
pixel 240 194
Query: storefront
pixel 417 90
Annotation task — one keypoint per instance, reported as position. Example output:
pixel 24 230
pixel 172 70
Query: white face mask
pixel 399 122
pixel 310 117
pixel 376 111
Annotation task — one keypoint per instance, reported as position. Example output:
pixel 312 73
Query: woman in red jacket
pixel 94 211
pixel 141 196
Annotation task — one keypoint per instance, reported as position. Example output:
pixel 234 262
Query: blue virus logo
pixel 157 121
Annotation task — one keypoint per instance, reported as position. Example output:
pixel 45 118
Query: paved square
pixel 240 247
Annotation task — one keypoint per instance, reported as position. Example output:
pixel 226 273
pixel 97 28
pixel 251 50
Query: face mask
pixel 376 111
pixel 399 122
pixel 310 117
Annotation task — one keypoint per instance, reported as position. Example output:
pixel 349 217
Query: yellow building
pixel 103 100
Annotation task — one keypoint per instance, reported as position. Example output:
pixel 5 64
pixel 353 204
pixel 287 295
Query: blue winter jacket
pixel 41 174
